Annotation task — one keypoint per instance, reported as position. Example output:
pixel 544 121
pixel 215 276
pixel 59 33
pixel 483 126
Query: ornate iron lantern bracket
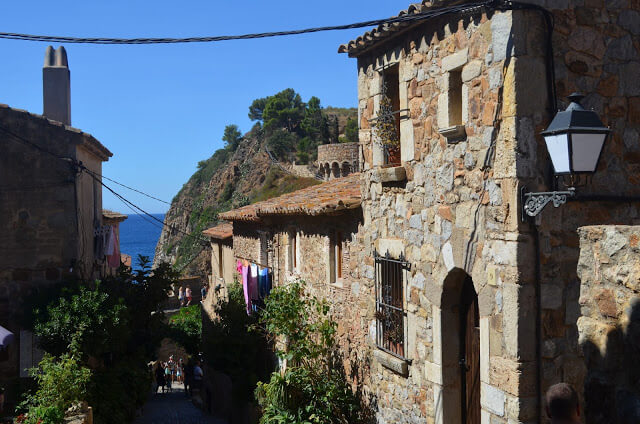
pixel 534 203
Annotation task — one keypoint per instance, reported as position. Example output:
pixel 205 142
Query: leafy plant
pixel 61 381
pixel 186 328
pixel 231 348
pixel 310 388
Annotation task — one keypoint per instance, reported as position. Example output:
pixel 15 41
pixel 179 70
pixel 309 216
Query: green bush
pixel 61 381
pixel 311 387
pixel 186 328
pixel 115 327
pixel 231 348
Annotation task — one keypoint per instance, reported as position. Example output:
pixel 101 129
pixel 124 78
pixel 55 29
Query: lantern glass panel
pixel 585 150
pixel 558 147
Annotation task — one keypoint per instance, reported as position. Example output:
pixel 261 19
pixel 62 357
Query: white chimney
pixel 56 86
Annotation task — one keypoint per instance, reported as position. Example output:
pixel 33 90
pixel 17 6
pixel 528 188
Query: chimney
pixel 56 86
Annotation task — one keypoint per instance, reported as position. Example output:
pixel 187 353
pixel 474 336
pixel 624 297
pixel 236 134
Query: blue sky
pixel 161 109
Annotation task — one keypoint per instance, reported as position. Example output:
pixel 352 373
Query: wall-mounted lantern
pixel 574 140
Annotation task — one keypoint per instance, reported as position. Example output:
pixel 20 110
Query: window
pixel 451 110
pixel 390 312
pixel 293 251
pixel 392 81
pixel 335 257
pixel 220 270
pixel 264 249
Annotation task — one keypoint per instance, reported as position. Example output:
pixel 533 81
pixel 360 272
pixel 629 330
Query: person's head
pixel 562 403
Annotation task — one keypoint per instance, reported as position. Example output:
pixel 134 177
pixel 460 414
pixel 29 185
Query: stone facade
pixel 474 95
pixel 48 213
pixel 609 323
pixel 338 160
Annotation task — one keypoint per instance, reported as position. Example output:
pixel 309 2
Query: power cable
pixel 122 198
pixel 208 39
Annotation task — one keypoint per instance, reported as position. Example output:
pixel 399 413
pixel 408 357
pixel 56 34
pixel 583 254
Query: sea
pixel 139 235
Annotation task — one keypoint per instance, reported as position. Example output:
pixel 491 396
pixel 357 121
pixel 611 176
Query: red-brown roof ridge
pixel 220 231
pixel 332 196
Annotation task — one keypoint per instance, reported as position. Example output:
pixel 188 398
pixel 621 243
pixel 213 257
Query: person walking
pixel 167 376
pixel 203 292
pixel 562 404
pixel 159 377
pixel 197 377
pixel 181 296
pixel 188 377
pixel 187 294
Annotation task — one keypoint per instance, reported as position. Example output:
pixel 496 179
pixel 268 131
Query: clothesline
pixel 254 262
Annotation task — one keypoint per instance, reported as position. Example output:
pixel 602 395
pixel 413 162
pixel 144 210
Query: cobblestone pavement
pixel 174 408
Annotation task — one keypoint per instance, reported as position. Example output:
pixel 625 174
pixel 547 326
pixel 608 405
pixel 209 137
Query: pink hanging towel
pixel 239 267
pixel 245 288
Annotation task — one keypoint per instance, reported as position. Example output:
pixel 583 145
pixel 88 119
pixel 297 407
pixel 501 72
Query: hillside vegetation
pixel 286 129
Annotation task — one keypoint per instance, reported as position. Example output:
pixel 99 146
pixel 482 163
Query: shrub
pixel 310 388
pixel 186 328
pixel 61 381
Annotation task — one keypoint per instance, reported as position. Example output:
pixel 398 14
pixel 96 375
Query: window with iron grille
pixel 390 310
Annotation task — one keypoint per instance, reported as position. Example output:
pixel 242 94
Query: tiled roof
pixel 89 141
pixel 332 196
pixel 106 213
pixel 220 232
pixel 386 30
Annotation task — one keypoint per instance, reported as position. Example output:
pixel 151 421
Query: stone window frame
pixel 405 124
pixel 454 98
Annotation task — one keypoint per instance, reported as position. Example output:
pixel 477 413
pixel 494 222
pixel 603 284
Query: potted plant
pixel 385 130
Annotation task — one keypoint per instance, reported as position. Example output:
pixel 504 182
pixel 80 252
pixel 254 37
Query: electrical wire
pixel 208 39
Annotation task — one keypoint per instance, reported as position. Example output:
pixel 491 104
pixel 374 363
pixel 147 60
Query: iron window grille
pixel 390 277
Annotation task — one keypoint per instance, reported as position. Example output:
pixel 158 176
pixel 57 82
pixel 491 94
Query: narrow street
pixel 174 408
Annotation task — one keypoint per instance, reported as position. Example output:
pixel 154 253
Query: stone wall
pixel 47 214
pixel 350 301
pixel 609 323
pixel 338 160
pixel 596 53
pixel 451 213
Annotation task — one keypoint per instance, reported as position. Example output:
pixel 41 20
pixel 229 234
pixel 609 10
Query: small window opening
pixel 293 251
pixel 220 270
pixel 335 257
pixel 264 249
pixel 455 98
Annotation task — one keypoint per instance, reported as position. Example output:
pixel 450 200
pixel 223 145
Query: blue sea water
pixel 138 236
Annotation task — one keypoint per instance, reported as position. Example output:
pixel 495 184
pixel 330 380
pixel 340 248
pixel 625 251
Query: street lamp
pixel 574 140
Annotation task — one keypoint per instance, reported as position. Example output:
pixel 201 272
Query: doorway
pixel 469 357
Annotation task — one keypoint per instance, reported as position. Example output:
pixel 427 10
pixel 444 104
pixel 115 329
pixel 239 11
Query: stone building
pixel 493 305
pixel 338 160
pixel 51 216
pixel 457 307
pixel 222 263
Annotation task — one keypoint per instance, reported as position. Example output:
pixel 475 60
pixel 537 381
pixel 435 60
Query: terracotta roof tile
pixel 220 232
pixel 106 213
pixel 386 30
pixel 335 195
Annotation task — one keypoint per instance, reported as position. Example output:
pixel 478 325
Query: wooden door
pixel 470 354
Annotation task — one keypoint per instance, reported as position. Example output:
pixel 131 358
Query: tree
pixel 350 131
pixel 314 124
pixel 232 137
pixel 256 109
pixel 281 143
pixel 283 110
